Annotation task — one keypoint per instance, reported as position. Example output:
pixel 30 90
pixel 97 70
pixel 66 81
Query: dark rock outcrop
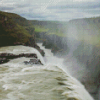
pixel 3 60
pixel 5 57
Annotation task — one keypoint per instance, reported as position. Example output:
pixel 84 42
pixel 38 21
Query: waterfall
pixel 34 82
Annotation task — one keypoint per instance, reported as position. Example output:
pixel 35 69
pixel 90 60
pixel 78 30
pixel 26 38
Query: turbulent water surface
pixel 19 81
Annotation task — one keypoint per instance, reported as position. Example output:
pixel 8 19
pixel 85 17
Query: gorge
pixel 75 48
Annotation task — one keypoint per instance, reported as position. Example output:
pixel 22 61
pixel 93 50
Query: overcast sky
pixel 62 10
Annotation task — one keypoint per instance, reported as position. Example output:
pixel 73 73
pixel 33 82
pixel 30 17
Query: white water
pixel 50 59
pixel 38 82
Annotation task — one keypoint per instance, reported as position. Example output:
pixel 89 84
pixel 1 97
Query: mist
pixel 83 56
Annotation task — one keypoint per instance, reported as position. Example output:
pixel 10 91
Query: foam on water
pixel 21 49
pixel 50 59
pixel 38 82
pixel 78 88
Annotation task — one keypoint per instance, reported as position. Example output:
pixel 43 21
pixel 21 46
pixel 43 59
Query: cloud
pixel 52 9
pixel 75 5
pixel 7 8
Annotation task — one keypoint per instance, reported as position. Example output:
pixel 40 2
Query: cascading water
pixel 19 81
pixel 50 59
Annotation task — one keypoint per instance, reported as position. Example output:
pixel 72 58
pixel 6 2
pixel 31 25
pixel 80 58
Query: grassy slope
pixel 50 27
pixel 12 30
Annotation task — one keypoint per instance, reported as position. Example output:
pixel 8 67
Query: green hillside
pixel 12 30
pixel 50 27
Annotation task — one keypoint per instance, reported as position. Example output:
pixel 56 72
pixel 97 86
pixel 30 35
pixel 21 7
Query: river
pixel 50 81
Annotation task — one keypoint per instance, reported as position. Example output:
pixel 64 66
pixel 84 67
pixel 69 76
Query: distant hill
pixel 50 27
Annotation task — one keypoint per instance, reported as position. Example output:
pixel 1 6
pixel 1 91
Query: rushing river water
pixel 19 81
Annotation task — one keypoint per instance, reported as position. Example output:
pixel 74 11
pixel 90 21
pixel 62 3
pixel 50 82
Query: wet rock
pixel 5 57
pixel 3 60
pixel 33 61
pixel 28 55
pixel 40 50
pixel 26 62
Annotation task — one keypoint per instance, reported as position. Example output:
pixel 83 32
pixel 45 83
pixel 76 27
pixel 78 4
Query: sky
pixel 56 10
